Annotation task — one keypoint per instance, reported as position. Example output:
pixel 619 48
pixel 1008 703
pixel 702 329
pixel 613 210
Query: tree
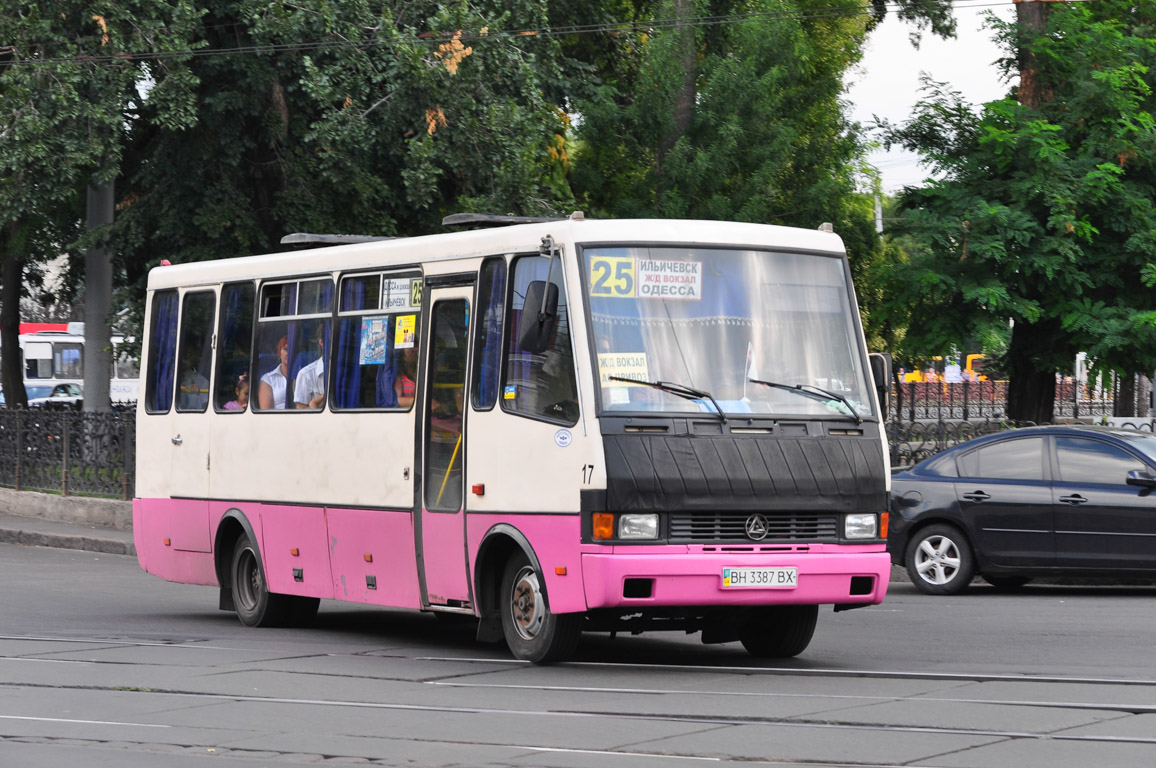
pixel 742 120
pixel 67 77
pixel 374 117
pixel 1044 212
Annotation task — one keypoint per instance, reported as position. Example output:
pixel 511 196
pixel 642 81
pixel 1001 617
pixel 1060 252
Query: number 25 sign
pixel 612 276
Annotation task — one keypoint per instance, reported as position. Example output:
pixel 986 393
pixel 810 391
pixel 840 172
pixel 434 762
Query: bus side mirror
pixel 538 316
pixel 881 375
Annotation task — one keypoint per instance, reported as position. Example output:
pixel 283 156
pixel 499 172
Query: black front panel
pixel 810 527
pixel 801 482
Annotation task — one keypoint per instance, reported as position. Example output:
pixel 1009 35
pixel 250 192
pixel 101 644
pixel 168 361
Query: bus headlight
pixel 638 527
pixel 861 526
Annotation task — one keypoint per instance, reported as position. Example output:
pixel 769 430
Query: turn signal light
pixel 603 526
pixel 883 525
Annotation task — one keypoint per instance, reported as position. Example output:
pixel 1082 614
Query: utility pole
pixel 97 302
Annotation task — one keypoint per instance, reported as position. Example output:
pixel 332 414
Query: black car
pixel 1042 501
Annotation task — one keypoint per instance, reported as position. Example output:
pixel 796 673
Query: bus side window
pixel 491 306
pixel 375 356
pixel 160 372
pixel 68 361
pixel 233 387
pixel 292 349
pixel 539 385
pixel 195 354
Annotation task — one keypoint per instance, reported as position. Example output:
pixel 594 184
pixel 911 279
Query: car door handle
pixel 177 440
pixel 1074 499
pixel 976 496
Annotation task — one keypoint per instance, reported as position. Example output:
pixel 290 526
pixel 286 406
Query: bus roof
pixel 481 242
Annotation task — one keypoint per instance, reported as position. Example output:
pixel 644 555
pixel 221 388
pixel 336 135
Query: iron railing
pixel 982 400
pixel 68 452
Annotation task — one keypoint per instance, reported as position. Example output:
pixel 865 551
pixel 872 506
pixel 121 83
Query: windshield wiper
pixel 816 393
pixel 677 389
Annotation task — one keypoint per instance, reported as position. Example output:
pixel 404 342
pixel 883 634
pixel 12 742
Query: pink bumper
pixel 835 575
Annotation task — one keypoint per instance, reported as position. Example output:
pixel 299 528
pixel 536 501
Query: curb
pixel 67 541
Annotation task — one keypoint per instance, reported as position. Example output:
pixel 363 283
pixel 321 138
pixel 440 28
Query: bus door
pixel 188 434
pixel 442 557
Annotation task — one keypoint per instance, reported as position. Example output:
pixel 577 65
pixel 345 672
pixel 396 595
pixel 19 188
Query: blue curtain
pixel 386 397
pixel 347 389
pixel 489 369
pixel 162 375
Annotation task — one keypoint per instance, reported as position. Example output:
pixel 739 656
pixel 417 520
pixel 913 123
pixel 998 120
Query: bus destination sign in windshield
pixel 670 279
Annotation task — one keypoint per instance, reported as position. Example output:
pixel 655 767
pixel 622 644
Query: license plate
pixel 760 578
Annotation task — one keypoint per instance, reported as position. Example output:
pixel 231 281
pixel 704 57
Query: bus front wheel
pixel 779 632
pixel 532 631
pixel 255 605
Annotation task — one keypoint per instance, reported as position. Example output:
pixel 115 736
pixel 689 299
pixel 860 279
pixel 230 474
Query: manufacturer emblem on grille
pixel 757 527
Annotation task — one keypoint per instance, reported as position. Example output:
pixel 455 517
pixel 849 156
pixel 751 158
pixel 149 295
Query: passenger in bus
pixel 405 385
pixel 309 387
pixel 271 390
pixel 242 390
pixel 194 389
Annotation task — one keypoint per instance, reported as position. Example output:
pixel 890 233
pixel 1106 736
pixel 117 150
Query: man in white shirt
pixel 309 387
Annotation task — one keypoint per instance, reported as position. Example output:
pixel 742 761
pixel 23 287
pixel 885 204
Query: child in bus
pixel 242 390
pixel 271 390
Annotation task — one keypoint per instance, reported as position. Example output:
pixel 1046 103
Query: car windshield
pixel 712 319
pixel 36 391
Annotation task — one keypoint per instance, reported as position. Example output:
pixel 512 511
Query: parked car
pixel 1042 501
pixel 64 395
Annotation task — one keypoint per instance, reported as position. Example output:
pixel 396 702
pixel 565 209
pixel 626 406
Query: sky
pixel 886 82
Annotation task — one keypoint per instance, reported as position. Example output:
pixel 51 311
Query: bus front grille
pixel 732 526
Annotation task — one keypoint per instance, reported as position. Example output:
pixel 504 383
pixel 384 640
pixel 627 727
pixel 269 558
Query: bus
pixel 555 427
pixel 52 357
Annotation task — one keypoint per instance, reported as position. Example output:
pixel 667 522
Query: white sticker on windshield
pixel 670 279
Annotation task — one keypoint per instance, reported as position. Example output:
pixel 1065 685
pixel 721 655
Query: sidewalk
pixel 38 532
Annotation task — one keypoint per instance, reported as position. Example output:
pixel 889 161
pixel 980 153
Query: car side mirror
pixel 1141 478
pixel 881 375
pixel 538 316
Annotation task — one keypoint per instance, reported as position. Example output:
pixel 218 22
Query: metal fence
pixel 68 452
pixel 72 452
pixel 981 400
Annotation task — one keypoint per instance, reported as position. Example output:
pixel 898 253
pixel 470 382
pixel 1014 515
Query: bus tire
pixel 532 631
pixel 255 605
pixel 780 631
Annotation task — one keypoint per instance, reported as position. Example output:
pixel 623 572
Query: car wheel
pixel 532 631
pixel 1006 583
pixel 255 605
pixel 939 560
pixel 779 632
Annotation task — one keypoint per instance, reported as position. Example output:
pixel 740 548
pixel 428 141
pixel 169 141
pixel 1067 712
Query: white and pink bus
pixel 557 427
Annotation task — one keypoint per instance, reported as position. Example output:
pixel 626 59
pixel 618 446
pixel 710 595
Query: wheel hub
pixel 526 604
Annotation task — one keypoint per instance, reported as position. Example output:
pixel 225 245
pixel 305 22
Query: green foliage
pixel 372 117
pixel 1045 215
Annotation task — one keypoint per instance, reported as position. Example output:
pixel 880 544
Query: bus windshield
pixel 713 319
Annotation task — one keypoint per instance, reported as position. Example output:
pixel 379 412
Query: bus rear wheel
pixel 256 606
pixel 532 631
pixel 779 632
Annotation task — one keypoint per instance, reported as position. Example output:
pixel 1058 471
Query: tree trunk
pixel 11 279
pixel 1124 403
pixel 684 99
pixel 1031 17
pixel 1031 394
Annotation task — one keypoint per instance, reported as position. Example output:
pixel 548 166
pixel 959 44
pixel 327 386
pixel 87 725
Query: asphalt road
pixel 102 663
